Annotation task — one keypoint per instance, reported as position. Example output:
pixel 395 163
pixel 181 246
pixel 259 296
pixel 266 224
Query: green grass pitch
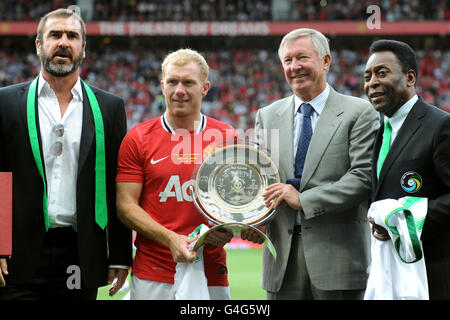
pixel 244 275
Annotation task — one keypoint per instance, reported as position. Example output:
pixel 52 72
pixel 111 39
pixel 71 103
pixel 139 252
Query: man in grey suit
pixel 320 230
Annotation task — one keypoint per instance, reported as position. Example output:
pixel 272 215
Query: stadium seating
pixel 232 10
pixel 241 80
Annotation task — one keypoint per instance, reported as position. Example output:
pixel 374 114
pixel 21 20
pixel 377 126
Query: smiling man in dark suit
pixel 417 162
pixel 60 139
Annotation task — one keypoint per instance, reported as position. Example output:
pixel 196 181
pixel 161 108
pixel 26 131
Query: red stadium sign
pixel 179 28
pixel 239 28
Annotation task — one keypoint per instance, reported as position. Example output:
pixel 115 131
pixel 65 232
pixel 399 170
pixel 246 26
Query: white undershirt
pixel 396 121
pixel 318 104
pixel 61 171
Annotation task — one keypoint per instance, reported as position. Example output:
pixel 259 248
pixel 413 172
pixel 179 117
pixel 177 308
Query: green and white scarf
pixel 101 214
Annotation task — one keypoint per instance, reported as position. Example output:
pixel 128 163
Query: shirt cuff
pixel 118 266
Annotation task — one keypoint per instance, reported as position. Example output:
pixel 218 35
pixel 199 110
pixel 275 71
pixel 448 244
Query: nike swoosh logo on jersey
pixel 156 161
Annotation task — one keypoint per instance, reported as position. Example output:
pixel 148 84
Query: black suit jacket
pixel 421 151
pixel 95 252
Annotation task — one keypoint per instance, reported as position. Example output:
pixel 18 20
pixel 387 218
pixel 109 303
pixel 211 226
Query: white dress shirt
pixel 318 103
pixel 61 170
pixel 399 117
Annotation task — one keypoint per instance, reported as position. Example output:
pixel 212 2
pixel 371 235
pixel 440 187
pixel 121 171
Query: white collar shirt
pixel 61 170
pixel 318 104
pixel 399 117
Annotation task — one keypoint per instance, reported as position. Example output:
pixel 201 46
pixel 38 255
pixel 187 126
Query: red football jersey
pixel 163 160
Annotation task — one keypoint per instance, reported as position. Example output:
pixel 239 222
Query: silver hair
pixel 320 42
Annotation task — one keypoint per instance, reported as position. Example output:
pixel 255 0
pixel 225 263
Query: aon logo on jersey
pixel 175 189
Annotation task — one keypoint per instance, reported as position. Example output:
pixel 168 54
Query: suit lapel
pixel 376 152
pixel 325 128
pixel 22 95
pixel 408 129
pixel 87 132
pixel 284 121
pixel 22 98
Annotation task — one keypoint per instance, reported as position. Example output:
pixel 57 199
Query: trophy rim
pixel 260 217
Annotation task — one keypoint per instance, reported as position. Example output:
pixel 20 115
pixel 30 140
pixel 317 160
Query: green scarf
pixel 101 214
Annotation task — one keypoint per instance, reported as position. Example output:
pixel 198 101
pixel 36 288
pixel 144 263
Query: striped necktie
pixel 305 138
pixel 303 144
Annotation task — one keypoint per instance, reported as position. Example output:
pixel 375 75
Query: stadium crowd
pixel 241 80
pixel 235 10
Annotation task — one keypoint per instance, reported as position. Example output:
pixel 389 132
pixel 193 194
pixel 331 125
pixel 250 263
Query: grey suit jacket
pixel 334 192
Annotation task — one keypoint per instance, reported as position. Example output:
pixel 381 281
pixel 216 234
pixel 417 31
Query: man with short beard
pixel 60 139
pixel 60 69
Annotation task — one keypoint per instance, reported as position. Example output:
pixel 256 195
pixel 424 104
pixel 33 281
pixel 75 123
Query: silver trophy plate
pixel 230 183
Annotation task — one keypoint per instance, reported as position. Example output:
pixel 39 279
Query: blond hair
pixel 182 57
